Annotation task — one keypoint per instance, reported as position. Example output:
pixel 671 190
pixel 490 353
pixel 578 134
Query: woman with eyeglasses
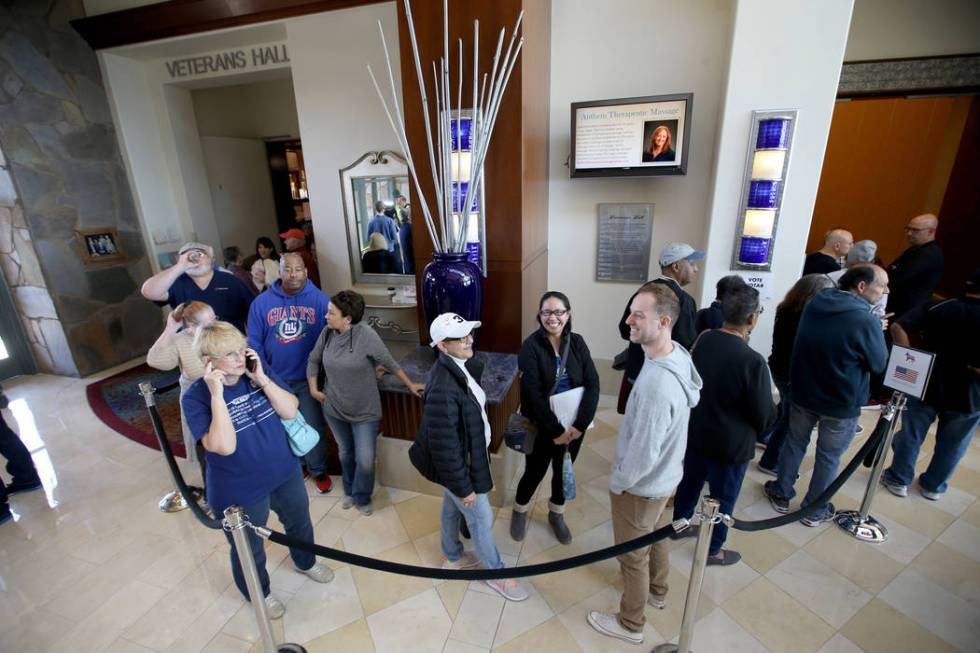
pixel 349 352
pixel 175 348
pixel 236 412
pixel 552 360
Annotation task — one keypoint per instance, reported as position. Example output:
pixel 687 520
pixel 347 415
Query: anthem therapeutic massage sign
pixel 631 137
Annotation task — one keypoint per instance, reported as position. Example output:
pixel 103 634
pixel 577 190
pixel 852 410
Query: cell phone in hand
pixel 250 363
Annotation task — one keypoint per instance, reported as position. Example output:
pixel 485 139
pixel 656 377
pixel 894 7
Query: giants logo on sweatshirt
pixel 290 322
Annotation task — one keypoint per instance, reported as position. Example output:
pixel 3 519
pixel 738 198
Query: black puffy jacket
pixel 537 363
pixel 454 429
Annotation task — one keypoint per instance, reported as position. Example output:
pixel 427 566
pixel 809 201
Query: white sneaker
pixel 367 509
pixel 608 624
pixel 467 560
pixel 347 502
pixel 274 607
pixel 655 601
pixel 510 589
pixel 318 572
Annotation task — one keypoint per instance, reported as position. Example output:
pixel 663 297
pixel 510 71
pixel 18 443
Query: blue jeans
pixel 952 439
pixel 724 484
pixel 776 436
pixel 315 458
pixel 356 444
pixel 834 435
pixel 20 465
pixel 479 519
pixel 292 505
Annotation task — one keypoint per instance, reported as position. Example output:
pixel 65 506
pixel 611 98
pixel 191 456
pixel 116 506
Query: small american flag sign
pixel 905 374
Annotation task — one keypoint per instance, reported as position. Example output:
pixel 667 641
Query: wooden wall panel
pixel 887 160
pixel 516 165
pixel 959 231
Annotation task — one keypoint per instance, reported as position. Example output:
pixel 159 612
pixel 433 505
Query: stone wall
pixel 62 156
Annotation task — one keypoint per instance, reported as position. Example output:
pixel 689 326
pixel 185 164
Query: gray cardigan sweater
pixel 348 360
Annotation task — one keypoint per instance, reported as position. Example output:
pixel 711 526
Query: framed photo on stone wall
pixel 100 245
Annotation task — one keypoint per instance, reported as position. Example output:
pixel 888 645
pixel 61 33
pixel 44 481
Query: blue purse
pixel 568 477
pixel 302 437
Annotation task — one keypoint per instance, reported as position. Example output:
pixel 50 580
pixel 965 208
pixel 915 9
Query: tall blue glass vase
pixel 451 283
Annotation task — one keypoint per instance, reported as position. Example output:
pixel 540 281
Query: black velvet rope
pixel 867 450
pixel 474 574
pixel 168 453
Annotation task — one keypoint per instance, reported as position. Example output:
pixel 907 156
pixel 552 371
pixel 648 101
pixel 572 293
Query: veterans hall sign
pixel 238 59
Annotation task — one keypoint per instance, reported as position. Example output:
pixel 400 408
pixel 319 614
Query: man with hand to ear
pixel 236 410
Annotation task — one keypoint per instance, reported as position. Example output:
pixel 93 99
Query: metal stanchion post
pixel 236 525
pixel 708 514
pixel 860 523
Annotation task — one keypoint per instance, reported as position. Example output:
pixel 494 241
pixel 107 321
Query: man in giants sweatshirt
pixel 649 457
pixel 284 323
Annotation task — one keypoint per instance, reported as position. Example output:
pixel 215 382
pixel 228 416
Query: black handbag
pixel 521 430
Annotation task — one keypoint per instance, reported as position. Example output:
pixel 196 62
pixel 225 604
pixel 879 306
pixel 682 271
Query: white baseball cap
pixel 673 252
pixel 450 325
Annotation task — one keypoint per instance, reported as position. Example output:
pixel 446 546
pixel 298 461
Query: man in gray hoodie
pixel 649 457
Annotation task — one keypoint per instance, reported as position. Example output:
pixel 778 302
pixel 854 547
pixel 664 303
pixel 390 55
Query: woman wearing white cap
pixel 452 450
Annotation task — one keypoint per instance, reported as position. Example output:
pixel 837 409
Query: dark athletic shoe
pixel 778 503
pixel 727 557
pixel 815 520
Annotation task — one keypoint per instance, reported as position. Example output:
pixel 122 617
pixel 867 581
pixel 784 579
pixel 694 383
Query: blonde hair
pixel 191 312
pixel 217 339
pixel 377 242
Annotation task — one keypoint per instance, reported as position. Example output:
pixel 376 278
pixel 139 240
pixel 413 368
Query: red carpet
pixel 116 401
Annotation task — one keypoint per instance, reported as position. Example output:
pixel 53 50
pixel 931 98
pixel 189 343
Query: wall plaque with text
pixel 623 247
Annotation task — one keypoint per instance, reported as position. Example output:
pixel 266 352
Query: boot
pixel 518 522
pixel 556 517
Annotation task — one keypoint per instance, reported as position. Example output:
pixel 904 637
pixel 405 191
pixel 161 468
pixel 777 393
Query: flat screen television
pixel 631 137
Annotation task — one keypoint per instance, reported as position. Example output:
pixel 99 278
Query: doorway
pixel 15 353
pixel 890 159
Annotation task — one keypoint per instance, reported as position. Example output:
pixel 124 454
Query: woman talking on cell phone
pixel 236 412
pixel 553 360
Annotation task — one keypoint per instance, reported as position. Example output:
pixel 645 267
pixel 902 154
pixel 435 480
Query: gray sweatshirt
pixel 348 361
pixel 652 440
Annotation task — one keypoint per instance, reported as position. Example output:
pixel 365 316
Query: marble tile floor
pixel 91 565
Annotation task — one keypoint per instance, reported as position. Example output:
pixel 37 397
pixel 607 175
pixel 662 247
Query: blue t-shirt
pixel 225 294
pixel 564 385
pixel 262 460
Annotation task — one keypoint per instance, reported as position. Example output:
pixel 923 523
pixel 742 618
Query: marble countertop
pixel 499 372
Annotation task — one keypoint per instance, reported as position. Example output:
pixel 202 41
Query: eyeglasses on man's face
pixel 556 313
pixel 916 229
pixel 468 336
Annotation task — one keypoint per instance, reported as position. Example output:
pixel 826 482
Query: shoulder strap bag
pixel 521 431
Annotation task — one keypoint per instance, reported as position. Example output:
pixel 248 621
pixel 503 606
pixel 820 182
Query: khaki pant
pixel 644 569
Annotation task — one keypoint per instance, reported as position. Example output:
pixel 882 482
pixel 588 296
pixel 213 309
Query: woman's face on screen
pixel 659 137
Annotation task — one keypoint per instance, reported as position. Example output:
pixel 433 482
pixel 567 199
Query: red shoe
pixel 323 483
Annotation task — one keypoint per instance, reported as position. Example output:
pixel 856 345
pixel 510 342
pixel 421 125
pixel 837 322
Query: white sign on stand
pixel 908 370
